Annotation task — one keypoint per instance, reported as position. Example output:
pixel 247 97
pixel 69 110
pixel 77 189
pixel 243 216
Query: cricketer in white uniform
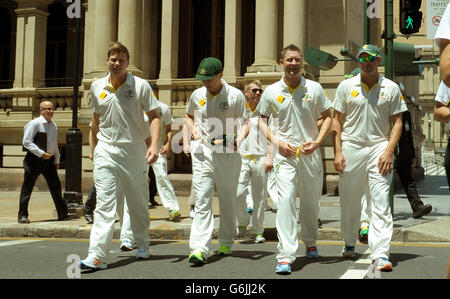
pixel 364 145
pixel 163 184
pixel 120 152
pixel 297 103
pixel 253 177
pixel 215 110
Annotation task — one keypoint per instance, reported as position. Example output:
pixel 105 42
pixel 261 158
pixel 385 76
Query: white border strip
pixel 8 243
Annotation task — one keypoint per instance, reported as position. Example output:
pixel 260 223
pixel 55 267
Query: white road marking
pixel 358 273
pixel 16 242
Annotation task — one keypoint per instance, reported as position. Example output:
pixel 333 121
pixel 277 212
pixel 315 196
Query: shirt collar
pixel 285 87
pixel 128 81
pixel 359 83
pixel 43 120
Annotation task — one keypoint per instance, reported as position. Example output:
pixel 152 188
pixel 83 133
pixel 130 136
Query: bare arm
pixel 444 63
pixel 336 132
pixel 285 149
pixel 441 113
pixel 93 134
pixel 325 124
pixel 155 128
pixel 165 148
pixel 385 160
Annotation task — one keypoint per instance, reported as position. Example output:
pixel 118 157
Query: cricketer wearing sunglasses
pixel 364 144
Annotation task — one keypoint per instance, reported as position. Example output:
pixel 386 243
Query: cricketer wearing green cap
pixel 214 110
pixel 208 68
pixel 366 128
pixel 369 49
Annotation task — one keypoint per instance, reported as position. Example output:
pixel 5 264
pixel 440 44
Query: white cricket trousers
pixel 305 176
pixel 117 169
pixel 254 178
pixel 165 188
pixel 221 170
pixel 361 174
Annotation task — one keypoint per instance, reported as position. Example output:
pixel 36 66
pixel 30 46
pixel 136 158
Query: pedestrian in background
pixel 42 157
pixel 364 146
pixel 253 178
pixel 119 101
pixel 159 167
pixel 297 103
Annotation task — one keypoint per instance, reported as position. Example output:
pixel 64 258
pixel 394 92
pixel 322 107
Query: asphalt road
pixel 56 258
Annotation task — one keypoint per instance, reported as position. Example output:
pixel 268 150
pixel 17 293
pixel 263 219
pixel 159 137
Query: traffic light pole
pixel 389 66
pixel 72 193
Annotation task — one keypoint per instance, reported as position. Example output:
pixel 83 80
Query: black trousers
pixel 91 201
pixel 447 163
pixel 404 171
pixel 152 183
pixel 33 167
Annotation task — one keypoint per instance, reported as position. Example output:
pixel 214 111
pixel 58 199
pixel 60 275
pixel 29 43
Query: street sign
pixel 435 10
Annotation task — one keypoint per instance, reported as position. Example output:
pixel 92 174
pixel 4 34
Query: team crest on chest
pixel 224 106
pixel 129 94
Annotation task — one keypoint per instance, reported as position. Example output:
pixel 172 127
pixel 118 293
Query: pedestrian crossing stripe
pixel 280 99
pixel 202 102
pixel 354 94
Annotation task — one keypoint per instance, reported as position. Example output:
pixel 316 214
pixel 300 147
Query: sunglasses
pixel 367 59
pixel 255 90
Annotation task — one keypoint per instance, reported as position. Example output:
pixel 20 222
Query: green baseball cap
pixel 208 68
pixel 369 49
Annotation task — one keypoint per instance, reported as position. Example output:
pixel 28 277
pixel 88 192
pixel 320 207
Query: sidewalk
pixel 431 228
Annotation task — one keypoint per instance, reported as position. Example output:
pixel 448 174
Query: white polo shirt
pixel 217 115
pixel 368 112
pixel 297 110
pixel 255 143
pixel 165 116
pixel 121 110
pixel 443 96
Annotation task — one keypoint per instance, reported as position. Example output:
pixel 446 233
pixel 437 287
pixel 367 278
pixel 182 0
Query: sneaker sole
pixel 196 261
pixel 87 267
pixel 125 248
pixel 386 268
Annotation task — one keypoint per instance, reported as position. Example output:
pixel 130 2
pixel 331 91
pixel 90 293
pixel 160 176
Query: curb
pixel 181 232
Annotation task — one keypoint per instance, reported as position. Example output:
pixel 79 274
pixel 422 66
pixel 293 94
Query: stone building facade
pixel 167 39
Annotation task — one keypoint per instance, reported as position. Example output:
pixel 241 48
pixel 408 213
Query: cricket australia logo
pixel 129 94
pixel 224 106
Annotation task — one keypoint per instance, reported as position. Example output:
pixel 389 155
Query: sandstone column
pixel 266 28
pixel 129 31
pixel 232 59
pixel 169 49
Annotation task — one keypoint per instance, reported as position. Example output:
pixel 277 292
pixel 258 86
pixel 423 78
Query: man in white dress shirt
pixel 40 140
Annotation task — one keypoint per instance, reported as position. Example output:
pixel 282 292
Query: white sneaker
pixel 383 264
pixel 92 263
pixel 143 253
pixel 126 245
pixel 259 239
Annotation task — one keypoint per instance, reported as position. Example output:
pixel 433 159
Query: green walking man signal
pixel 410 16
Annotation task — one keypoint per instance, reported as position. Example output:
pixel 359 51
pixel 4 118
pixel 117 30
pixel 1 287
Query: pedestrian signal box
pixel 410 16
